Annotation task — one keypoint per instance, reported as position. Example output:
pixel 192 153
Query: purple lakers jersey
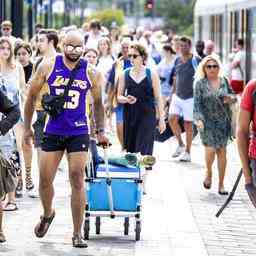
pixel 73 120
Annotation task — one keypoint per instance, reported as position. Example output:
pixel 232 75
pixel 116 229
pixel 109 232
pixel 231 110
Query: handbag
pixel 54 104
pixel 8 176
pixel 232 114
pixel 168 133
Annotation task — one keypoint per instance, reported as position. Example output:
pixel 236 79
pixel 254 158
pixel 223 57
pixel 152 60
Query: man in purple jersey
pixel 69 131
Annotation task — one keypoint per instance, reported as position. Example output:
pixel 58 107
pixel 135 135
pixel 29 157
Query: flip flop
pixel 43 225
pixel 10 206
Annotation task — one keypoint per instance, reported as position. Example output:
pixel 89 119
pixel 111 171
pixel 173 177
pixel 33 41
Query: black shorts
pixel 73 143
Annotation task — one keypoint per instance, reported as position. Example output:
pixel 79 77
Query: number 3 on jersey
pixel 73 104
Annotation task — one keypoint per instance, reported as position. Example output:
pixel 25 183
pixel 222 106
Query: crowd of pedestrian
pixel 136 76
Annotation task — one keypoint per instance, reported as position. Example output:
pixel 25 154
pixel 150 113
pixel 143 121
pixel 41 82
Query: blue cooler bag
pixel 126 189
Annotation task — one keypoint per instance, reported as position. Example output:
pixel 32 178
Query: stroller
pixel 113 191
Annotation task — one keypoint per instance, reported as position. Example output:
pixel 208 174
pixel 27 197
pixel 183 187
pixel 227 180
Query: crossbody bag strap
pixel 71 78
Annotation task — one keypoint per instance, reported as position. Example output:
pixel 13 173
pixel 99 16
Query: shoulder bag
pixel 53 105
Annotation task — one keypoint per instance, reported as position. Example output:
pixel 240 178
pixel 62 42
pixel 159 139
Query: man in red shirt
pixel 247 144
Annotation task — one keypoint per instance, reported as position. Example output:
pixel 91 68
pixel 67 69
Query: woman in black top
pixel 139 92
pixel 23 53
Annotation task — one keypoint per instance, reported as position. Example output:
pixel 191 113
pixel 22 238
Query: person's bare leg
pixel 77 162
pixel 222 163
pixel 176 129
pixel 120 133
pixel 27 153
pixel 189 135
pixel 2 236
pixel 18 133
pixel 47 170
pixel 209 159
pixel 1 216
pixel 39 152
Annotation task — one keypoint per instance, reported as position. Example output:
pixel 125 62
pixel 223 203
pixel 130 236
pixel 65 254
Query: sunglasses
pixel 6 29
pixel 134 56
pixel 212 66
pixel 77 48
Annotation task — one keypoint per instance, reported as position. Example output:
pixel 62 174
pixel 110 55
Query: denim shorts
pixel 119 110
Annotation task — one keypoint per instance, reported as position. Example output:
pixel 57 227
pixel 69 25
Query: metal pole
pixel 17 17
pixel 30 19
pixel 50 14
pixel 2 10
pixel 35 7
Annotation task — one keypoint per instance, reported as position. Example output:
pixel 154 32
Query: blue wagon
pixel 116 191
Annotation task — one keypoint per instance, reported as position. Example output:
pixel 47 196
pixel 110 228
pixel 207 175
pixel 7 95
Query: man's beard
pixel 74 59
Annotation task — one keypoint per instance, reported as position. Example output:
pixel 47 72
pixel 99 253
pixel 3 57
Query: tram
pixel 223 21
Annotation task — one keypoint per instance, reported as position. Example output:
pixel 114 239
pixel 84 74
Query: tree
pixel 108 16
pixel 178 15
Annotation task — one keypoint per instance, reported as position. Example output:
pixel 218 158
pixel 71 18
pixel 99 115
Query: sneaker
pixel 178 151
pixel 185 157
pixel 33 193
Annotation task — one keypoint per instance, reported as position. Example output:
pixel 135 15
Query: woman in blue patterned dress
pixel 212 96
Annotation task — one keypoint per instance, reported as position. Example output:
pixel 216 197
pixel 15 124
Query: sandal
pixel 222 192
pixel 2 237
pixel 43 225
pixel 79 242
pixel 10 206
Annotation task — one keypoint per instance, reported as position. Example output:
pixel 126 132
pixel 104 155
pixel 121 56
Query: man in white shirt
pixel 238 67
pixel 94 35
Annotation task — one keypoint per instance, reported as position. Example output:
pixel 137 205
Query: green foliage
pixel 178 15
pixel 108 16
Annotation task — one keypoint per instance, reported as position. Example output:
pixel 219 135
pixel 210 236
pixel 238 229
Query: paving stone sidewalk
pixel 178 217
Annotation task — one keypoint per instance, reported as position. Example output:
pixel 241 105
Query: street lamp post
pixel 50 14
pixel 30 18
pixel 17 17
pixel 2 10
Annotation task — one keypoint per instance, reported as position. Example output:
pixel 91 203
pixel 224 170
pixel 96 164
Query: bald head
pixel 74 37
pixel 209 47
pixel 73 45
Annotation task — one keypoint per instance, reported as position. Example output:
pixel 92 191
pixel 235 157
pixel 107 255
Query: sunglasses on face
pixel 6 29
pixel 212 66
pixel 134 56
pixel 77 48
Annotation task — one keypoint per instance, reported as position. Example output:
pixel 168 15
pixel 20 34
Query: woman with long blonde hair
pixel 212 96
pixel 15 87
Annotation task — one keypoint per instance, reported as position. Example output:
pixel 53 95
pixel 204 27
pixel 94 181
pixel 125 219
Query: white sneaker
pixel 185 157
pixel 33 193
pixel 178 151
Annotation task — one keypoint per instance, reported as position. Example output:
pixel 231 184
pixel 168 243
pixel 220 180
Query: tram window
pixel 206 24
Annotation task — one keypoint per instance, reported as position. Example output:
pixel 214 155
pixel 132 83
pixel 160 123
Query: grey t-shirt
pixel 184 73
